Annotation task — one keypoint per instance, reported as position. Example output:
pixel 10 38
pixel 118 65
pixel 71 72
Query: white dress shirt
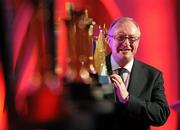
pixel 126 75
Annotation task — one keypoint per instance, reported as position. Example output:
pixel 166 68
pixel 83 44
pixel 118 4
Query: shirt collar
pixel 116 66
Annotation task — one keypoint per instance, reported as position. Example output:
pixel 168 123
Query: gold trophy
pixel 86 52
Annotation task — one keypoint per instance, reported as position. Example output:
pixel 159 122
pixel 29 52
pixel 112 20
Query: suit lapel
pixel 108 64
pixel 135 84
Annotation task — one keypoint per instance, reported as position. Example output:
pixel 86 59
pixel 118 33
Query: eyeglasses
pixel 122 38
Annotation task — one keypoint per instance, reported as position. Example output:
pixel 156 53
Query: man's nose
pixel 126 42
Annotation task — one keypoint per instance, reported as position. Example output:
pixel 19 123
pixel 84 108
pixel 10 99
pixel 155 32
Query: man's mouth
pixel 125 49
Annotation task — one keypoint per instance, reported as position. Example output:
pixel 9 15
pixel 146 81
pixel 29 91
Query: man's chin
pixel 127 56
pixel 126 53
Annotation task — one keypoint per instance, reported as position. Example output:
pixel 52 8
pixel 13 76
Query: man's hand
pixel 120 88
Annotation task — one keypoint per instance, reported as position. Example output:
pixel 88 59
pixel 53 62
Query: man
pixel 140 100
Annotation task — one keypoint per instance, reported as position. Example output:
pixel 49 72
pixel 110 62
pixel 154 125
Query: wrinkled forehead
pixel 125 28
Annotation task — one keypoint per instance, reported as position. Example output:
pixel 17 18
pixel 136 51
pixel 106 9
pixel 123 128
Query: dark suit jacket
pixel 147 102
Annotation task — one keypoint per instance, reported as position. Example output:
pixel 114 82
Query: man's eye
pixel 133 38
pixel 121 38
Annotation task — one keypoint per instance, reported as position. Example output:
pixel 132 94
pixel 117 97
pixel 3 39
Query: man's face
pixel 123 41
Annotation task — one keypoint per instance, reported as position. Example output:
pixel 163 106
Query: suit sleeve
pixel 156 111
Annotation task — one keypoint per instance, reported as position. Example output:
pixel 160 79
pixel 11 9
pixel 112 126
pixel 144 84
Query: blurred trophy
pixel 100 52
pixel 86 65
pixel 86 52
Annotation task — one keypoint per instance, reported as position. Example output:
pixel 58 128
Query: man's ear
pixel 109 42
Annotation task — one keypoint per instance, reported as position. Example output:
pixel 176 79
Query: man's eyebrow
pixel 123 34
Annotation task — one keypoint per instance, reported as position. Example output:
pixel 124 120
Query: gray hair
pixel 123 20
